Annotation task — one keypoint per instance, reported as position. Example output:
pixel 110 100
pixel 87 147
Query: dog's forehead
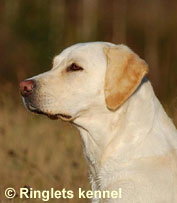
pixel 82 51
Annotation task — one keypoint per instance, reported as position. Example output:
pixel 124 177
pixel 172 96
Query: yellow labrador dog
pixel 128 139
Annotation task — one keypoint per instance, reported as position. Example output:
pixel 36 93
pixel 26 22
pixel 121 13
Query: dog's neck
pixel 121 134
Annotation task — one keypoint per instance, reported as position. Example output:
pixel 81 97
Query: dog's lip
pixel 51 116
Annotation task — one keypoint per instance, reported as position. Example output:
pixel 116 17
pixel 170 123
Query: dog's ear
pixel 124 72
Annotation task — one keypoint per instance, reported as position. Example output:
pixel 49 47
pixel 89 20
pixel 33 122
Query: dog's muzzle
pixel 27 88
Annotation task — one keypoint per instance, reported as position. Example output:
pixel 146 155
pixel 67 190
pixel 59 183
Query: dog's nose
pixel 27 87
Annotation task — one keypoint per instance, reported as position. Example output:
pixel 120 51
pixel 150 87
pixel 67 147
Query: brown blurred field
pixel 41 153
pixel 38 152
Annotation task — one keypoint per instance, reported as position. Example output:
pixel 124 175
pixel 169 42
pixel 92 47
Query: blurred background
pixel 35 151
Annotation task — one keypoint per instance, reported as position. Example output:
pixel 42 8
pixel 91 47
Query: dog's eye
pixel 74 67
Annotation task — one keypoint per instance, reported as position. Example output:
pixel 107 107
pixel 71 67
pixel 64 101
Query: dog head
pixel 84 76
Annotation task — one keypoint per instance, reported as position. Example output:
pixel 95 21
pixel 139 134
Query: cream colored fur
pixel 133 146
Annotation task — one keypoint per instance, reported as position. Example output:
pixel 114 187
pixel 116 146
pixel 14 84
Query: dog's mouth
pixel 51 116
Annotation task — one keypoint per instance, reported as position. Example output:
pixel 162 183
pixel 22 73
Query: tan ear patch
pixel 125 71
